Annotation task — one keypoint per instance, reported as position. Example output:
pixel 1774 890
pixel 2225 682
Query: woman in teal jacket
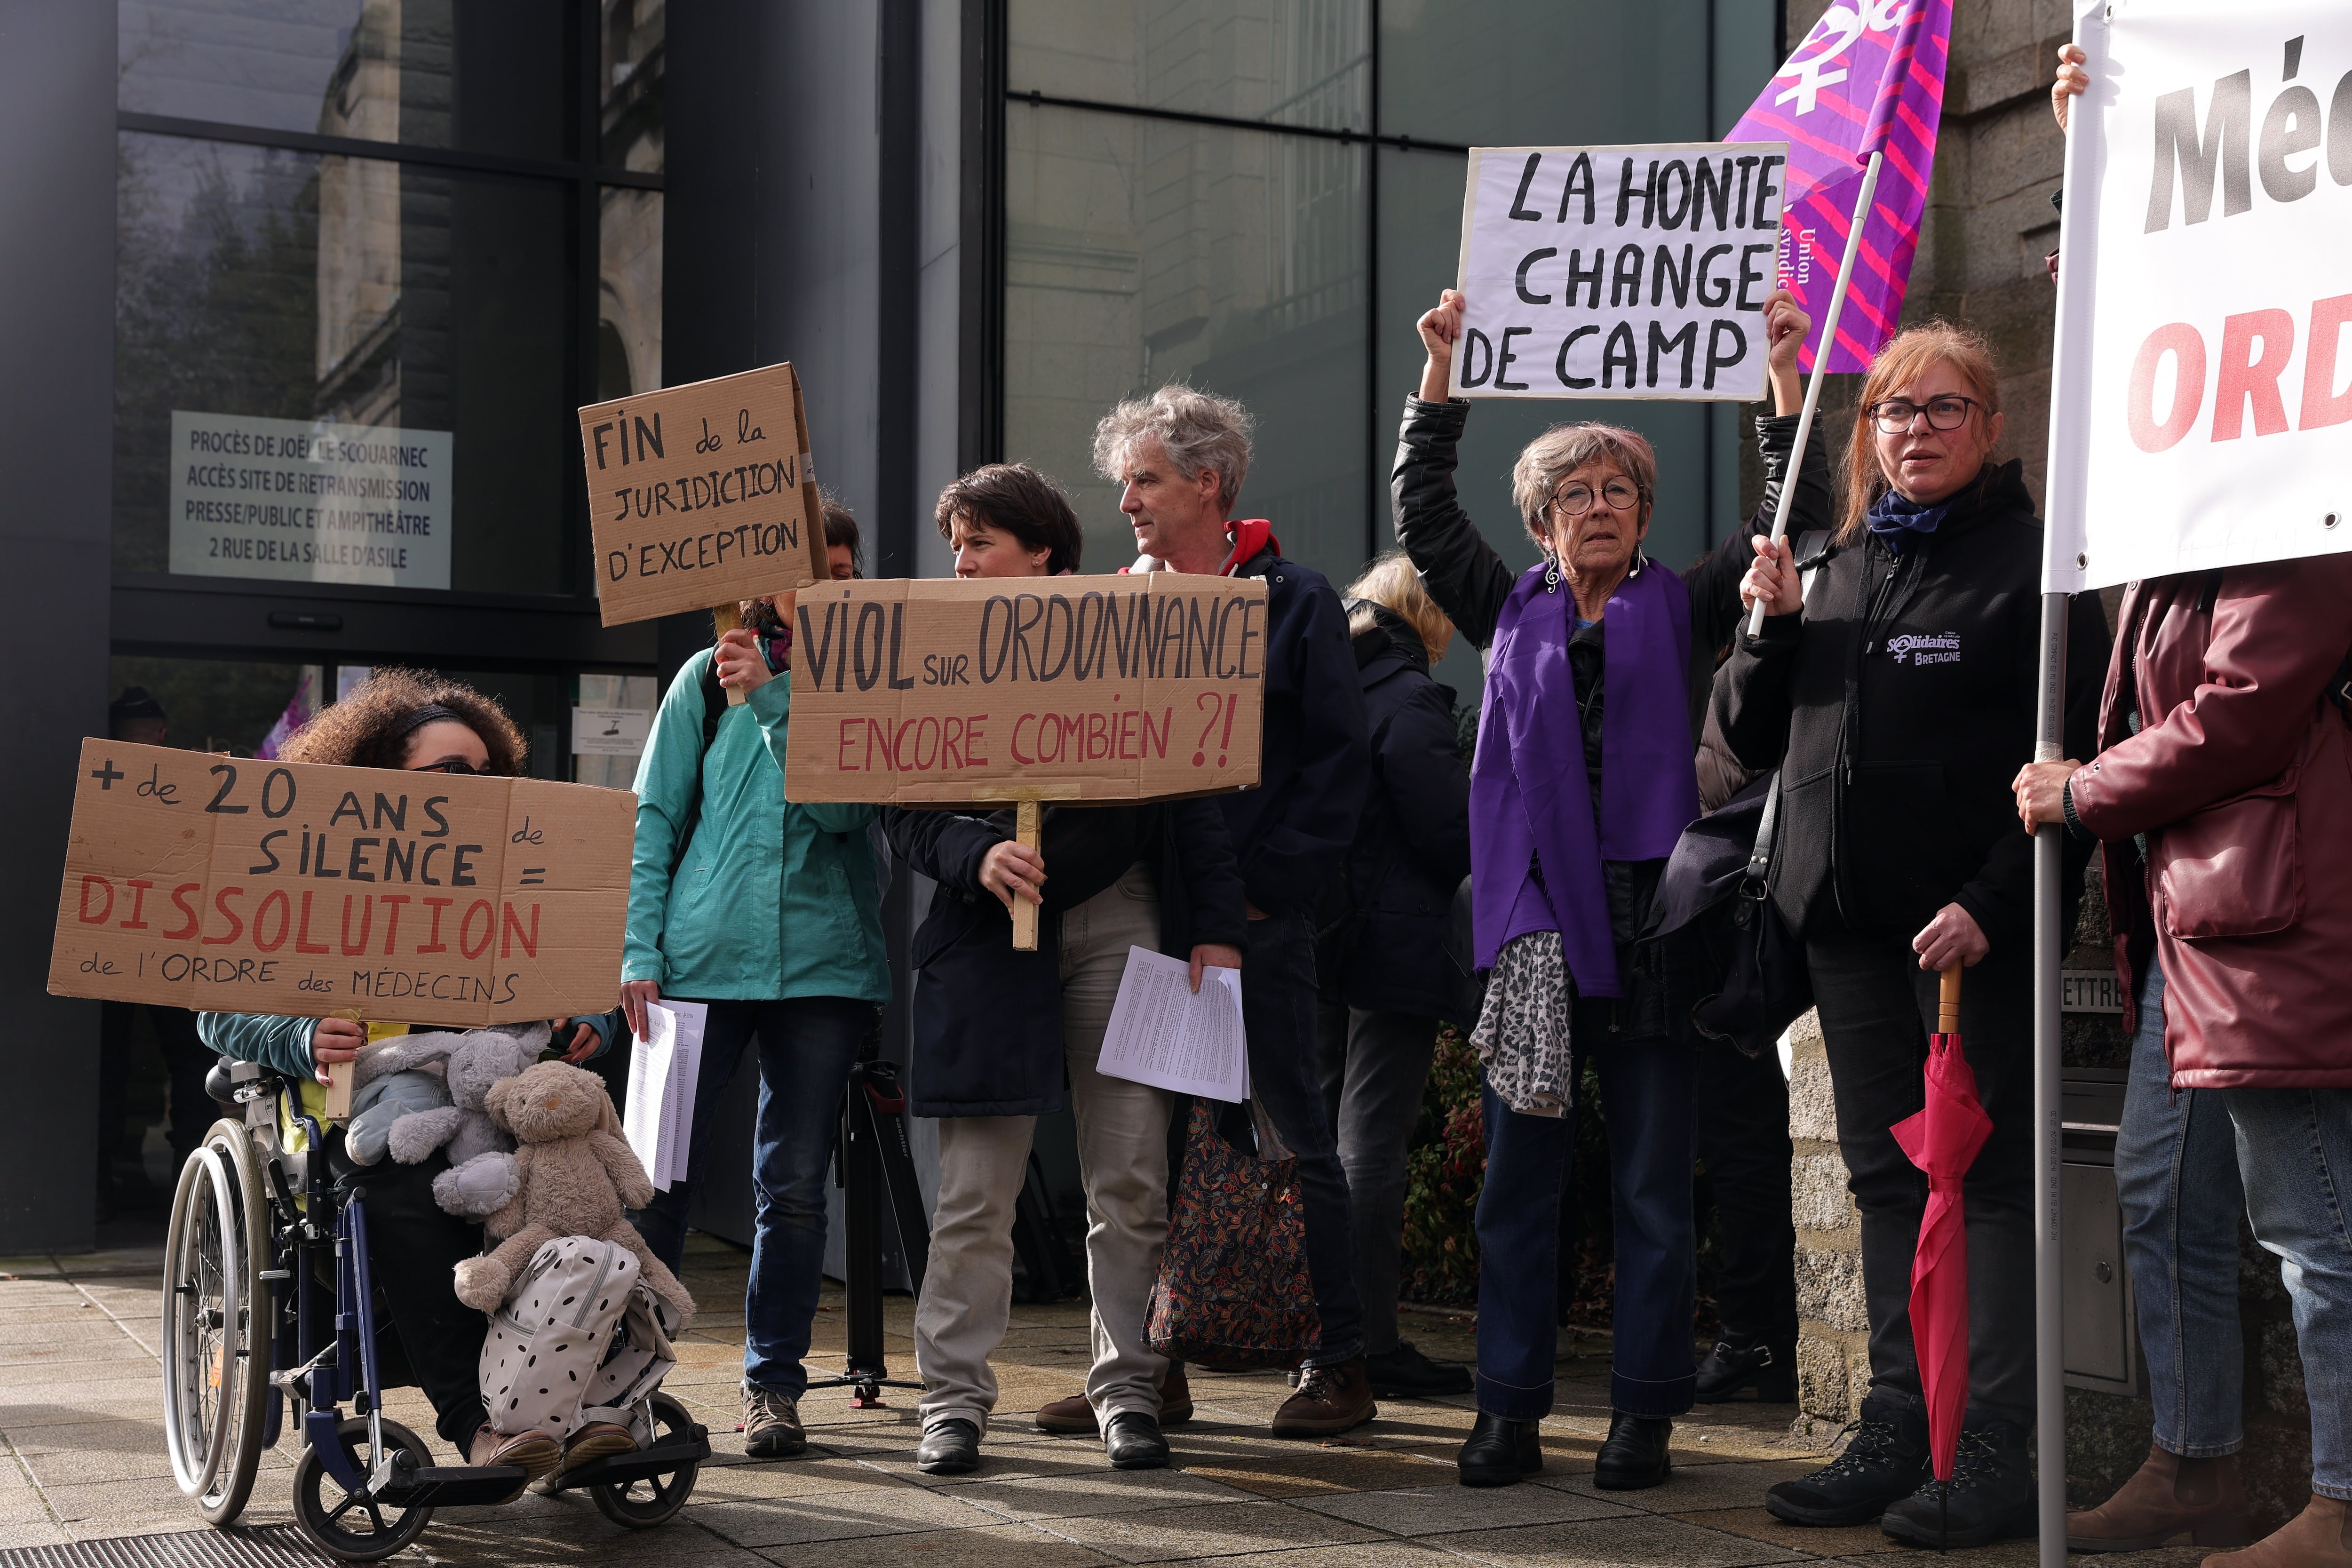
pixel 768 913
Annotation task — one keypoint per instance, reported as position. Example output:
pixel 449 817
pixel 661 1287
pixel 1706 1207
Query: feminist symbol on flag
pixel 1838 30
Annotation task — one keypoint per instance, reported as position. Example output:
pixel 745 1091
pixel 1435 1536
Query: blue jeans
pixel 1647 1096
pixel 806 1046
pixel 2295 1152
pixel 2176 1178
pixel 1278 1011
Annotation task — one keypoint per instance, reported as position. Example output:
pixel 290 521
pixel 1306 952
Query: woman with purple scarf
pixel 1599 662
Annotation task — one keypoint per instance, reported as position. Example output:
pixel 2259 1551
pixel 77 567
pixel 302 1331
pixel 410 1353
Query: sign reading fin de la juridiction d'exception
pixel 309 500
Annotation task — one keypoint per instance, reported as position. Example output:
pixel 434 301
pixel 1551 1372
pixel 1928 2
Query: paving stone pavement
pixel 81 1458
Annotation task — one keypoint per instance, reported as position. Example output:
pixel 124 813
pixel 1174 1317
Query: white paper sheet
pixel 649 1100
pixel 685 1073
pixel 1165 1033
pixel 664 1066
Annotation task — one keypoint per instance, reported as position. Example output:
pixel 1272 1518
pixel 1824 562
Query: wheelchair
pixel 252 1334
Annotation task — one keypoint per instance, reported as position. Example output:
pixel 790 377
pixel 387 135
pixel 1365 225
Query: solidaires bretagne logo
pixel 1919 648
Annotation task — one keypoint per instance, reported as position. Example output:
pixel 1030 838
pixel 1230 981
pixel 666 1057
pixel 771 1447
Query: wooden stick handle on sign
pixel 1025 913
pixel 1947 1005
pixel 725 618
pixel 339 1077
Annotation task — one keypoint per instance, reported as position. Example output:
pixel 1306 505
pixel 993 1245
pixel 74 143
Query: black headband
pixel 432 712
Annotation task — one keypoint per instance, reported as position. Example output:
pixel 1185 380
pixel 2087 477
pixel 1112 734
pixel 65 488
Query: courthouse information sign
pixel 946 692
pixel 313 501
pixel 1636 271
pixel 229 885
pixel 702 495
pixel 2201 400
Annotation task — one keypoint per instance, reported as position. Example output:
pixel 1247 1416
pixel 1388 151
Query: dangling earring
pixel 1640 561
pixel 1551 573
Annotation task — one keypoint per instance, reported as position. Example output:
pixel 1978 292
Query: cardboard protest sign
pixel 230 885
pixel 950 692
pixel 2201 407
pixel 702 495
pixel 1636 271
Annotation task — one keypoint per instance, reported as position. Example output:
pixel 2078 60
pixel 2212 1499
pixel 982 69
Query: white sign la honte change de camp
pixel 2201 404
pixel 1618 272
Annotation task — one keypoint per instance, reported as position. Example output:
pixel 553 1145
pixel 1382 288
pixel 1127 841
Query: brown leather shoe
pixel 1330 1399
pixel 596 1440
pixel 2319 1537
pixel 2166 1497
pixel 536 1452
pixel 1074 1416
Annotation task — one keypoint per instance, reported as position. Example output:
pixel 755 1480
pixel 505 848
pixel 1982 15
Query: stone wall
pixel 1833 1325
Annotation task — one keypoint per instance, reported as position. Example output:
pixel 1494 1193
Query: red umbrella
pixel 1942 1140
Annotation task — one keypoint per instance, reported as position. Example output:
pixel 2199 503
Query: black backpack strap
pixel 1759 858
pixel 714 709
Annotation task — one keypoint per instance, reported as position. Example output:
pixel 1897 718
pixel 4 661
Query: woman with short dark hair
pixel 1010 506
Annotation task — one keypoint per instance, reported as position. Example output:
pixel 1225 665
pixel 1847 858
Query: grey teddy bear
pixel 481 1178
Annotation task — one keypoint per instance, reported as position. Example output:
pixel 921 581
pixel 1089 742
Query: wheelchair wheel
pixel 353 1526
pixel 651 1500
pixel 217 1339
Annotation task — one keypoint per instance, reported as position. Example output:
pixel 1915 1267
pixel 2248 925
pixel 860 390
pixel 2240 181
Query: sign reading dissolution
pixel 1618 272
pixel 228 885
pixel 309 500
pixel 702 495
pixel 1121 688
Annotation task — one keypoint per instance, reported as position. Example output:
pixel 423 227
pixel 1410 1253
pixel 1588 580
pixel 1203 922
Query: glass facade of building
pixel 406 227
pixel 1259 196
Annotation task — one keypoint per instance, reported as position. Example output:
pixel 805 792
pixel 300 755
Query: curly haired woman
pixel 415 722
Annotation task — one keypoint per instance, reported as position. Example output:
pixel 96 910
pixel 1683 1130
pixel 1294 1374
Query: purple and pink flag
pixel 1869 77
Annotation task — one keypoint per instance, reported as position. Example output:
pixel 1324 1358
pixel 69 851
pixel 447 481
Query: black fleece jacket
pixel 987 1019
pixel 1904 697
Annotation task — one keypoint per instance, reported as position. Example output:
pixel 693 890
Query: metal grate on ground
pixel 272 1546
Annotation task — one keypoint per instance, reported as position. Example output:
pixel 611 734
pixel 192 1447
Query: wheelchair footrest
pixel 453 1486
pixel 615 1469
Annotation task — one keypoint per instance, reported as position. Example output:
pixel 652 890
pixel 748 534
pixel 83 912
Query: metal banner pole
pixel 1820 363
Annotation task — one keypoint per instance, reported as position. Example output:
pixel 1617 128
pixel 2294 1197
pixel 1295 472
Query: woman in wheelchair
pixel 422 724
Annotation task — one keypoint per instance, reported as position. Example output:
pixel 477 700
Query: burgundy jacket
pixel 2241 776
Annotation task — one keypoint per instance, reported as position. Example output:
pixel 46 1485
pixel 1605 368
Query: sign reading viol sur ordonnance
pixel 1117 687
pixel 229 885
pixel 702 495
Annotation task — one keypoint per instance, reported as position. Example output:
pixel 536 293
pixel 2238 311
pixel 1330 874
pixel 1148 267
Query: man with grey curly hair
pixel 1180 457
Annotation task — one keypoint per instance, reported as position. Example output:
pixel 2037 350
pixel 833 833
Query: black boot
pixel 1499 1452
pixel 1405 1374
pixel 1991 1496
pixel 1634 1455
pixel 1885 1462
pixel 1132 1441
pixel 949 1447
pixel 1772 1370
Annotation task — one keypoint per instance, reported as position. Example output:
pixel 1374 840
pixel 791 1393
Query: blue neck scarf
pixel 1899 521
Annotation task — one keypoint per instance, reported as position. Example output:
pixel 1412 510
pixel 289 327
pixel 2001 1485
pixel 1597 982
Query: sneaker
pixel 1728 1368
pixel 1991 1496
pixel 1405 1374
pixel 771 1424
pixel 536 1452
pixel 1885 1462
pixel 1074 1416
pixel 1330 1399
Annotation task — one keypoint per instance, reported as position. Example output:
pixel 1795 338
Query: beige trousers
pixel 1122 1160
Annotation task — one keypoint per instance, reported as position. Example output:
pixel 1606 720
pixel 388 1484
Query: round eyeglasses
pixel 1576 499
pixel 1895 415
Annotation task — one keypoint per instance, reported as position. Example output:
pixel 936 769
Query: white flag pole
pixel 1821 360
pixel 2069 419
